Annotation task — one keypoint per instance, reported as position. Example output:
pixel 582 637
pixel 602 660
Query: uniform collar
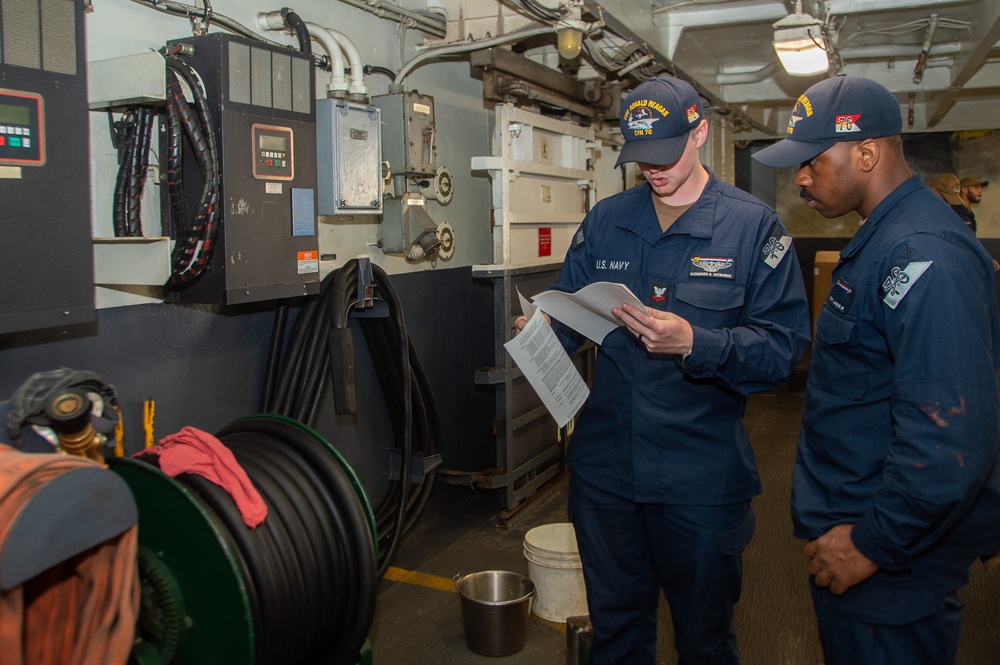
pixel 871 224
pixel 697 221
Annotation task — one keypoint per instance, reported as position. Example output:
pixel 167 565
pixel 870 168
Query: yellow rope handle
pixel 148 411
pixel 119 435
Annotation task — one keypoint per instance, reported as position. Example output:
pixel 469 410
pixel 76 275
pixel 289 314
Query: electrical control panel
pixel 22 135
pixel 263 109
pixel 46 259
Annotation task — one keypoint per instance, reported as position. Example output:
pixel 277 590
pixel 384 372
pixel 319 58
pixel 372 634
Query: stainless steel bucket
pixel 495 609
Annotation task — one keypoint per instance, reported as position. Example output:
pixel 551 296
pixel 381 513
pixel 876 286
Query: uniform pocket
pixel 709 303
pixel 841 369
pixel 735 539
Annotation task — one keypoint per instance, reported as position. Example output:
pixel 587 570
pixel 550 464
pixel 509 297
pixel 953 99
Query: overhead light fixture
pixel 800 45
pixel 570 41
pixel 569 32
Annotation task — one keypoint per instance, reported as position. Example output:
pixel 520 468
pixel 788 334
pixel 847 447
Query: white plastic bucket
pixel 555 568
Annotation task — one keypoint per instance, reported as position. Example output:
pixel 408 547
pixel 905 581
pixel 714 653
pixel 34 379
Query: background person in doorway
pixel 971 192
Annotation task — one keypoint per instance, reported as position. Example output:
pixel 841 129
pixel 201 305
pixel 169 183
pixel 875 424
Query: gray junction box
pixel 348 158
pixel 408 135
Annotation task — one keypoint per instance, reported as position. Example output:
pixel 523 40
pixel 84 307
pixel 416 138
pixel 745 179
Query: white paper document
pixel 547 367
pixel 588 311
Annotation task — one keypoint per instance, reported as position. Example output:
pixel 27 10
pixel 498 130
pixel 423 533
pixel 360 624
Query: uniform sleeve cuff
pixel 706 348
pixel 870 543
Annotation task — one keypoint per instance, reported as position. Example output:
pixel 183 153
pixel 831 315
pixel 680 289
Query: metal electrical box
pixel 46 260
pixel 349 158
pixel 263 108
pixel 408 132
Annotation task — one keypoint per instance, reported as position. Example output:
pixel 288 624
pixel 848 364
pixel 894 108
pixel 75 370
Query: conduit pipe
pixel 423 22
pixel 337 87
pixel 357 85
pixel 465 47
pixel 918 71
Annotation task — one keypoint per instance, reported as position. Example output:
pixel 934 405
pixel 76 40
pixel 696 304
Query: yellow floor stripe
pixel 420 579
pixel 447 584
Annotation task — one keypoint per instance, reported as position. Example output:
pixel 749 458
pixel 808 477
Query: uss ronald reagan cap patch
pixel 842 108
pixel 656 119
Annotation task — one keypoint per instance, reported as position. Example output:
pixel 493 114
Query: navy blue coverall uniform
pixel 900 431
pixel 662 471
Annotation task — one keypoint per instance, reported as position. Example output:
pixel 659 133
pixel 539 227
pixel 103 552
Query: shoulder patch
pixel 904 272
pixel 580 237
pixel 775 247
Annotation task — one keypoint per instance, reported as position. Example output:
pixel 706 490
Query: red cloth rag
pixel 194 451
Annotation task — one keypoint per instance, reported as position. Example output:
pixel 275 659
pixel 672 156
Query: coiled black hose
pixel 310 567
pixel 196 242
pixel 320 357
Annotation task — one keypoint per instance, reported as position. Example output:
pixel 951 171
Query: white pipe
pixel 338 83
pixel 357 86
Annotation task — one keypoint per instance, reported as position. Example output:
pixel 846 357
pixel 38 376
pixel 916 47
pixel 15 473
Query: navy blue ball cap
pixel 842 108
pixel 656 119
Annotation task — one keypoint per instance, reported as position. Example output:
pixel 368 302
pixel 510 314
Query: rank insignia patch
pixel 775 247
pixel 580 237
pixel 904 272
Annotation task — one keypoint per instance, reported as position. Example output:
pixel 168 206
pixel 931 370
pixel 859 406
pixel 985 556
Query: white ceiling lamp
pixel 800 45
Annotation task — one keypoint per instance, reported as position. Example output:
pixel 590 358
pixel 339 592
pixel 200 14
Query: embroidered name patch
pixel 841 296
pixel 904 272
pixel 775 247
pixel 721 267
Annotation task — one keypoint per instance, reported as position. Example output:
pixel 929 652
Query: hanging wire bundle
pixel 195 240
pixel 319 358
pixel 131 135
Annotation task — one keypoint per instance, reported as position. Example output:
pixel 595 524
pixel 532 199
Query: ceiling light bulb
pixel 799 43
pixel 570 43
pixel 805 56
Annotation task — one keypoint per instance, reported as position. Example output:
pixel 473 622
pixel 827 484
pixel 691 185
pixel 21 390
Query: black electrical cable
pixel 131 136
pixel 138 167
pixel 320 355
pixel 196 243
pixel 214 18
pixel 121 193
pixel 293 21
pixel 175 162
pixel 375 69
pixel 353 594
pixel 221 528
pixel 274 354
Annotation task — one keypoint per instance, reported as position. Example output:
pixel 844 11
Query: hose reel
pixel 298 589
